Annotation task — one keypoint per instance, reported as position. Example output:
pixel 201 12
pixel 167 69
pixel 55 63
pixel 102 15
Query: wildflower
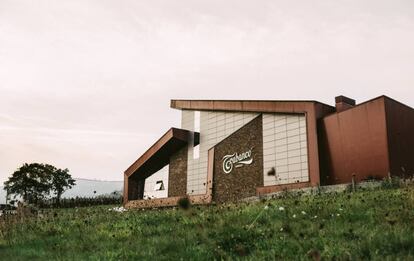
pixel 281 208
pixel 118 209
pixel 338 215
pixel 294 216
pixel 340 209
pixel 281 229
pixel 315 217
pixel 303 212
pixel 266 207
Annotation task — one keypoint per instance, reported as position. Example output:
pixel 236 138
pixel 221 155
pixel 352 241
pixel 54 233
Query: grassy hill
pixel 367 224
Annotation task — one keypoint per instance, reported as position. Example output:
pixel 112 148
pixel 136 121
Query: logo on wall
pixel 237 160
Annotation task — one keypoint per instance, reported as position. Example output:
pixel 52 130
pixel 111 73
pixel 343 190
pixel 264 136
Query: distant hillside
pixel 86 188
pixel 83 188
pixel 2 195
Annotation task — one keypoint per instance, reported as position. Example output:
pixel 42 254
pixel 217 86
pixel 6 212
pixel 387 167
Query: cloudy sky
pixel 86 84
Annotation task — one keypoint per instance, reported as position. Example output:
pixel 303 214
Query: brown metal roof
pixel 246 105
pixel 158 155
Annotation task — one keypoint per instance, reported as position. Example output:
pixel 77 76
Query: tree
pixel 30 182
pixel 34 182
pixel 61 181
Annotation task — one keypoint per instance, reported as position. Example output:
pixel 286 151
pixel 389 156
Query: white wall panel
pixel 150 182
pixel 285 148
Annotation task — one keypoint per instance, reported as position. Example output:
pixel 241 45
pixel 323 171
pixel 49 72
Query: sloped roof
pixel 158 155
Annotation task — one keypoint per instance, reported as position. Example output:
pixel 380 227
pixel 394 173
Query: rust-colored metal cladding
pixel 293 106
pixel 168 143
pixel 154 159
pixel 354 143
pixel 400 127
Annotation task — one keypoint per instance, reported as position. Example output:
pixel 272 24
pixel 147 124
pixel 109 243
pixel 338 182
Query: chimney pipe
pixel 343 103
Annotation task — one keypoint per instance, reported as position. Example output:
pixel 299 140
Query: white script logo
pixel 237 160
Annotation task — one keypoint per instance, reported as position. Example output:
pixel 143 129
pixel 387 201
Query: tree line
pixel 36 182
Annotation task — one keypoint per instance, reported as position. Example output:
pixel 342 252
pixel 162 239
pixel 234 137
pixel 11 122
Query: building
pixel 229 150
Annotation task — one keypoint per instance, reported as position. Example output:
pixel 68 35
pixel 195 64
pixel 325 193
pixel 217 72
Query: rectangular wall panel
pixel 285 149
pixel 150 184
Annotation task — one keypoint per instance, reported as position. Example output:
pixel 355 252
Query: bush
pixel 184 203
pixel 82 202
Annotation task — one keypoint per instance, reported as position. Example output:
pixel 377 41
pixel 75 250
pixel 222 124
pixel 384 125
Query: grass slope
pixel 377 224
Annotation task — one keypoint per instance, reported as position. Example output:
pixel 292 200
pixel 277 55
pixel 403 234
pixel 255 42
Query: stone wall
pixel 177 178
pixel 243 180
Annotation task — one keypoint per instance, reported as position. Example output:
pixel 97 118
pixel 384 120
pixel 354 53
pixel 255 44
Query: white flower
pixel 266 207
pixel 294 216
pixel 303 213
pixel 118 209
pixel 340 209
pixel 281 208
pixel 281 229
pixel 338 215
pixel 315 217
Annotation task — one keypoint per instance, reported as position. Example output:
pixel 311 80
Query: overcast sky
pixel 86 84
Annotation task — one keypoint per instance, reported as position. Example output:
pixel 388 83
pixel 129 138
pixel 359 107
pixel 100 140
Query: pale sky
pixel 86 84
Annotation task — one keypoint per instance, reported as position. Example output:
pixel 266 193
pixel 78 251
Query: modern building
pixel 229 150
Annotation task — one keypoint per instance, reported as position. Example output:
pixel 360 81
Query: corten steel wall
pixel 177 178
pixel 400 126
pixel 241 182
pixel 354 142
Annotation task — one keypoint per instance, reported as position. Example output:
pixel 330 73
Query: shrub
pixel 184 203
pixel 82 202
pixel 391 182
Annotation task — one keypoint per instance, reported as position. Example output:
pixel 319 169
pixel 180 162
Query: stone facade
pixel 177 179
pixel 242 181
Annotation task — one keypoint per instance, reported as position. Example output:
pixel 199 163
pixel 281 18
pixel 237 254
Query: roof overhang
pixel 158 155
pixel 247 105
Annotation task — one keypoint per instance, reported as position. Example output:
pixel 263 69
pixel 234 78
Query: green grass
pixel 372 224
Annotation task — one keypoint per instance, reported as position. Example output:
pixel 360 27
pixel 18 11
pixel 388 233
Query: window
pixel 196 149
pixel 159 185
pixel 196 121
pixel 196 152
